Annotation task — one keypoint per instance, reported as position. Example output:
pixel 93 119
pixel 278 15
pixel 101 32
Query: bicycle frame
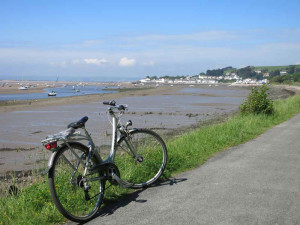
pixel 116 127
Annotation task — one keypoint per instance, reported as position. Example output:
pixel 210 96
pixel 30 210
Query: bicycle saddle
pixel 79 124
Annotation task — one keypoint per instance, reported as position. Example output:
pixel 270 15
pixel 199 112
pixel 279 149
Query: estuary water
pixel 66 91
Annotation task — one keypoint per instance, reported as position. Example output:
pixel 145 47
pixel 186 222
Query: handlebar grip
pixel 112 103
pixel 121 107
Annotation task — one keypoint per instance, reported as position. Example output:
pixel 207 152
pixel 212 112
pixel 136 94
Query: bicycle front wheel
pixel 67 186
pixel 150 162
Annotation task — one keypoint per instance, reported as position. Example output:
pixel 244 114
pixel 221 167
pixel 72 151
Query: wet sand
pixel 163 109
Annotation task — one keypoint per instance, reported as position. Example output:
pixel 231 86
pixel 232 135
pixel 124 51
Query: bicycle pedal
pixel 86 195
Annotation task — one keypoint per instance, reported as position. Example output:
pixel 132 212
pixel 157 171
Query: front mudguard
pixel 122 136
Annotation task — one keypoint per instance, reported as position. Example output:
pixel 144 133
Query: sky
pixel 129 40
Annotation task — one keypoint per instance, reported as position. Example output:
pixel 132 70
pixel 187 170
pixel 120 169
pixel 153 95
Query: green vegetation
pixel 219 72
pixel 34 204
pixel 258 102
pixel 194 148
pixel 273 68
pixel 286 79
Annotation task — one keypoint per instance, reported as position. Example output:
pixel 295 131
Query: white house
pixel 145 80
pixel 283 73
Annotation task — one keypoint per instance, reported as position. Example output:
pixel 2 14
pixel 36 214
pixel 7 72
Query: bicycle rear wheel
pixel 149 166
pixel 66 186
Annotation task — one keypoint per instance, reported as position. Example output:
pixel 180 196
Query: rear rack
pixel 69 134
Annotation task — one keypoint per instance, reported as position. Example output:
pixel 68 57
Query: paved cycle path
pixel 254 183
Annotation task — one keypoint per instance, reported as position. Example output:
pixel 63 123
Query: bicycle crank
pixel 121 182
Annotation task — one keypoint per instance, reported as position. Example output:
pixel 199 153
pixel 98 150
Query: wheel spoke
pixel 67 185
pixel 151 148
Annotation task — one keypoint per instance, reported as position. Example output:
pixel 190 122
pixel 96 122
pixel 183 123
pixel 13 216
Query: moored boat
pixel 23 88
pixel 52 93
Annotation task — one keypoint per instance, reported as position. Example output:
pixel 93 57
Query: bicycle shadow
pixel 171 181
pixel 133 197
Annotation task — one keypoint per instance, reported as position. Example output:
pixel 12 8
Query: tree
pixel 275 73
pixel 153 78
pixel 259 76
pixel 258 102
pixel 291 69
pixel 279 79
pixel 297 77
pixel 217 72
pixel 246 72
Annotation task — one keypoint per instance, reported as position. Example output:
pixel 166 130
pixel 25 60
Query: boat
pixel 73 88
pixel 23 88
pixel 52 93
pixel 77 90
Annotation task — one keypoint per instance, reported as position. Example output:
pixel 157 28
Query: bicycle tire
pixel 69 197
pixel 151 147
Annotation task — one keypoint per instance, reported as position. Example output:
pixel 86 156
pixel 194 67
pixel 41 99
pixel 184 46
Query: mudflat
pixel 25 123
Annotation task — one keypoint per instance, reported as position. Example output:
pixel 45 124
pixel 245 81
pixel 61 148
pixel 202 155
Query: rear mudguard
pixel 52 157
pixel 50 162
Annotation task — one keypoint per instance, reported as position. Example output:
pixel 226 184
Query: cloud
pixel 97 62
pixel 150 63
pixel 59 64
pixel 127 62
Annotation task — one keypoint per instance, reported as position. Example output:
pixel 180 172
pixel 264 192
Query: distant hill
pixel 273 68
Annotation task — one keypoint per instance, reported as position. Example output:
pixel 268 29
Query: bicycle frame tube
pixel 112 153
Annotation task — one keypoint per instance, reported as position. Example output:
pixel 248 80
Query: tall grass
pixel 34 204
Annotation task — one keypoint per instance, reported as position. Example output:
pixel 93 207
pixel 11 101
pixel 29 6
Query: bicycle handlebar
pixel 114 105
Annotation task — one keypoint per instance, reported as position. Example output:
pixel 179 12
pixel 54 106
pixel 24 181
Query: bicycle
pixel 77 175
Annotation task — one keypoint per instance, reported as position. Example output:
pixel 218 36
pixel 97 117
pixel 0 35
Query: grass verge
pixel 34 204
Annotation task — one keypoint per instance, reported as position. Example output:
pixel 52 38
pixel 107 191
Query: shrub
pixel 258 102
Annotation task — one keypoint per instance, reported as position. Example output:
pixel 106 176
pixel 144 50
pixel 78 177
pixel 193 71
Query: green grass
pixel 34 205
pixel 186 153
pixel 273 68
